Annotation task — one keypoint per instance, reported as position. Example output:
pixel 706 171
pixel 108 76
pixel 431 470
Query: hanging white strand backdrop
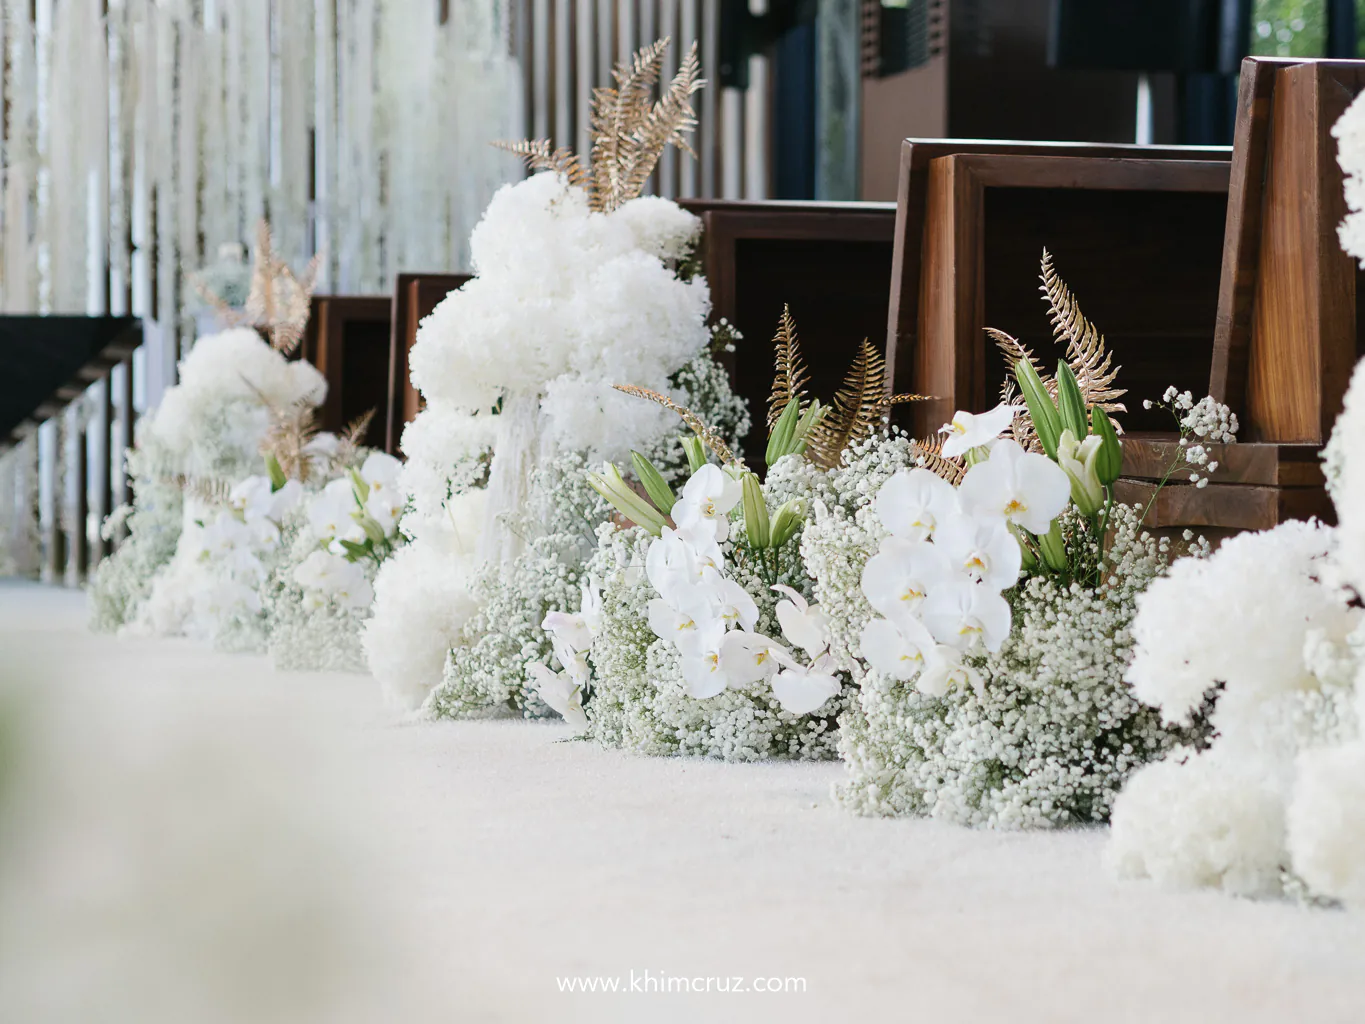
pixel 138 136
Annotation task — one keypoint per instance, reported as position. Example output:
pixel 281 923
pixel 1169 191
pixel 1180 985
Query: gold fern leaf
pixel 929 455
pixel 858 406
pixel 539 156
pixel 629 129
pixel 209 490
pixel 790 375
pixel 1014 351
pixel 1086 353
pixel 708 434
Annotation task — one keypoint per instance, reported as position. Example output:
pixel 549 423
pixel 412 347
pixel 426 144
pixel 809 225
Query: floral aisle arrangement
pixel 580 281
pixel 193 451
pixel 980 591
pixel 205 436
pixel 695 632
pixel 319 595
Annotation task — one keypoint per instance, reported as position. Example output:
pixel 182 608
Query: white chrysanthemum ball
pixel 1203 822
pixel 661 228
pixel 437 441
pixel 1326 821
pixel 422 601
pixel 1345 471
pixel 1349 132
pixel 1239 617
pixel 592 416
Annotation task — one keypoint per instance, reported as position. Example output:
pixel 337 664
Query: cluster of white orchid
pixel 571 635
pixel 937 579
pixel 354 518
pixel 234 542
pixel 710 618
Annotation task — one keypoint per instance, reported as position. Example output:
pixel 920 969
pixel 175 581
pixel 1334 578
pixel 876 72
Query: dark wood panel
pixel 348 341
pixel 414 297
pixel 830 262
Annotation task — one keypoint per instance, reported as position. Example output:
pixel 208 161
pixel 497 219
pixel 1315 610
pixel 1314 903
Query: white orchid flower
pixel 732 604
pixel 569 627
pixel 560 693
pixel 691 631
pixel 285 499
pixel 747 658
pixel 225 535
pixel 702 675
pixel 385 507
pixel 896 651
pixel 670 564
pixel 914 502
pixel 354 590
pixel 802 689
pixel 574 662
pixel 380 472
pixel 253 498
pixel 897 579
pixel 1024 488
pixel 960 613
pixel 803 624
pixel 319 571
pixel 329 513
pixel 983 550
pixel 944 669
pixel 968 431
pixel 700 538
pixel 707 499
pixel 592 605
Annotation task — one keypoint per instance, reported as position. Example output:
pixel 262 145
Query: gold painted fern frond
pixel 1086 353
pixel 539 156
pixel 209 490
pixel 790 375
pixel 929 454
pixel 629 129
pixel 857 408
pixel 710 437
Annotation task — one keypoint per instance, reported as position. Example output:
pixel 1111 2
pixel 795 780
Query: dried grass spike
pixel 709 436
pixel 790 375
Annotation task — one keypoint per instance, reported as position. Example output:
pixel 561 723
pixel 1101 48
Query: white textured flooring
pixel 190 837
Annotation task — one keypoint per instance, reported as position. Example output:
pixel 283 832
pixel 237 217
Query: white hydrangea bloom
pixel 1326 819
pixel 1349 131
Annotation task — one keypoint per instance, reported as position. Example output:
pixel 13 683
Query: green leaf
pixel 362 489
pixel 1071 406
pixel 1109 464
pixel 654 483
pixel 756 524
pixel 1047 423
pixel 782 440
pixel 276 472
pixel 695 450
pixel 355 552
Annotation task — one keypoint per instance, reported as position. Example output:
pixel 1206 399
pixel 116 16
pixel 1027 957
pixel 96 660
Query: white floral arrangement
pixel 696 632
pixel 980 592
pixel 204 437
pixel 1269 630
pixel 318 597
pixel 579 282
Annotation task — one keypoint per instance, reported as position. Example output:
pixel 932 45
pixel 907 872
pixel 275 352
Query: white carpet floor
pixel 194 837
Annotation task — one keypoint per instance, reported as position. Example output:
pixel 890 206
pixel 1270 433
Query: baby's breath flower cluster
pixel 1050 733
pixel 1200 423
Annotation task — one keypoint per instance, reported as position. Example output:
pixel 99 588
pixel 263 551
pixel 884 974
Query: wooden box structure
pixel 348 341
pixel 1135 231
pixel 414 297
pixel 1287 332
pixel 830 262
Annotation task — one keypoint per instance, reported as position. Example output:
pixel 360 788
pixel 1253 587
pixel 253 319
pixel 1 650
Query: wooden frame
pixel 1287 334
pixel 414 297
pixel 347 340
pixel 829 261
pixel 952 363
pixel 912 215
